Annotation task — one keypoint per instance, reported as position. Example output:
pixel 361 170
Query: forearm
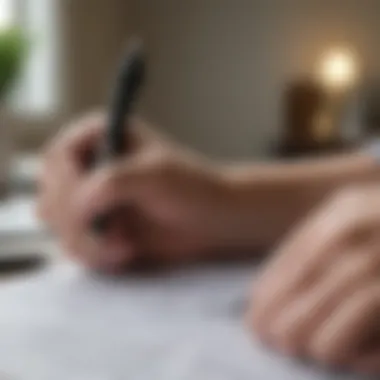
pixel 272 197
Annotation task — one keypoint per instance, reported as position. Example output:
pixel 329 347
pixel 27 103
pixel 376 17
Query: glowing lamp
pixel 338 70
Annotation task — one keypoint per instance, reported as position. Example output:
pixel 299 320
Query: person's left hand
pixel 320 296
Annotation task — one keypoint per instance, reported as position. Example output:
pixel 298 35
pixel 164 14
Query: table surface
pixel 65 323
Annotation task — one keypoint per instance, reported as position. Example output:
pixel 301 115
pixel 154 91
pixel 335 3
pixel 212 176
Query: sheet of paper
pixel 65 324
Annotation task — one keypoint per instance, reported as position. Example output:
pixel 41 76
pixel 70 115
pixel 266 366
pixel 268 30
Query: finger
pixel 82 249
pixel 142 134
pixel 312 247
pixel 57 198
pixel 342 336
pixel 293 326
pixel 79 134
pixel 300 255
pixel 109 252
pixel 281 285
pixel 115 185
pixel 61 159
pixel 51 189
pixel 118 251
pixel 298 261
pixel 113 247
pixel 329 227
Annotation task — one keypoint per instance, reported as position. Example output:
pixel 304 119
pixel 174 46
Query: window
pixel 37 92
pixel 6 13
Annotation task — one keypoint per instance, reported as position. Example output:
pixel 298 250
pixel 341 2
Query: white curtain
pixel 6 13
pixel 38 90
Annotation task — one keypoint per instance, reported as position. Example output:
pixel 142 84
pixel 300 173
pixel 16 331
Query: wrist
pixel 254 207
pixel 265 201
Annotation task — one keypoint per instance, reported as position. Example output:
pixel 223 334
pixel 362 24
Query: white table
pixel 66 324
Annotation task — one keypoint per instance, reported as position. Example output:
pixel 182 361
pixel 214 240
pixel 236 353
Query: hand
pixel 180 205
pixel 320 296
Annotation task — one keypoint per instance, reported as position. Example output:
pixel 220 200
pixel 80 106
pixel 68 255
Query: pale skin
pixel 319 295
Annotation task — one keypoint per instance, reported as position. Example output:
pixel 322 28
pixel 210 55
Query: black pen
pixel 128 83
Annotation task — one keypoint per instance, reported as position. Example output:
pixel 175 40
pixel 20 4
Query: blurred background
pixel 236 79
pixel 217 68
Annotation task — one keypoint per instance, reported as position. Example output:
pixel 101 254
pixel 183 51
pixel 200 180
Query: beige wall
pixel 93 32
pixel 217 66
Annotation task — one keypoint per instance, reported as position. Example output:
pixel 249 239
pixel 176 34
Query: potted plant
pixel 13 48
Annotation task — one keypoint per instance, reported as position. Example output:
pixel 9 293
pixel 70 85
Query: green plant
pixel 13 49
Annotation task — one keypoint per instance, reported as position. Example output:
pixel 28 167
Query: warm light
pixel 338 69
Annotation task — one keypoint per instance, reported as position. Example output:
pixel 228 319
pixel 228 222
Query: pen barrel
pixel 127 87
pixel 127 90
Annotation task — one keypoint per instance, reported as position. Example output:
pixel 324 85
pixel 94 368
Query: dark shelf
pixel 289 151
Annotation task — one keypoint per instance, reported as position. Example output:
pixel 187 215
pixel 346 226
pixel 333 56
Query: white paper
pixel 66 324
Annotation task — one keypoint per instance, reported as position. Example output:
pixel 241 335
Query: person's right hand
pixel 181 205
pixel 319 298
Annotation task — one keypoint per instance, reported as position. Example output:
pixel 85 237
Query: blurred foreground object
pixel 66 323
pixel 13 49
